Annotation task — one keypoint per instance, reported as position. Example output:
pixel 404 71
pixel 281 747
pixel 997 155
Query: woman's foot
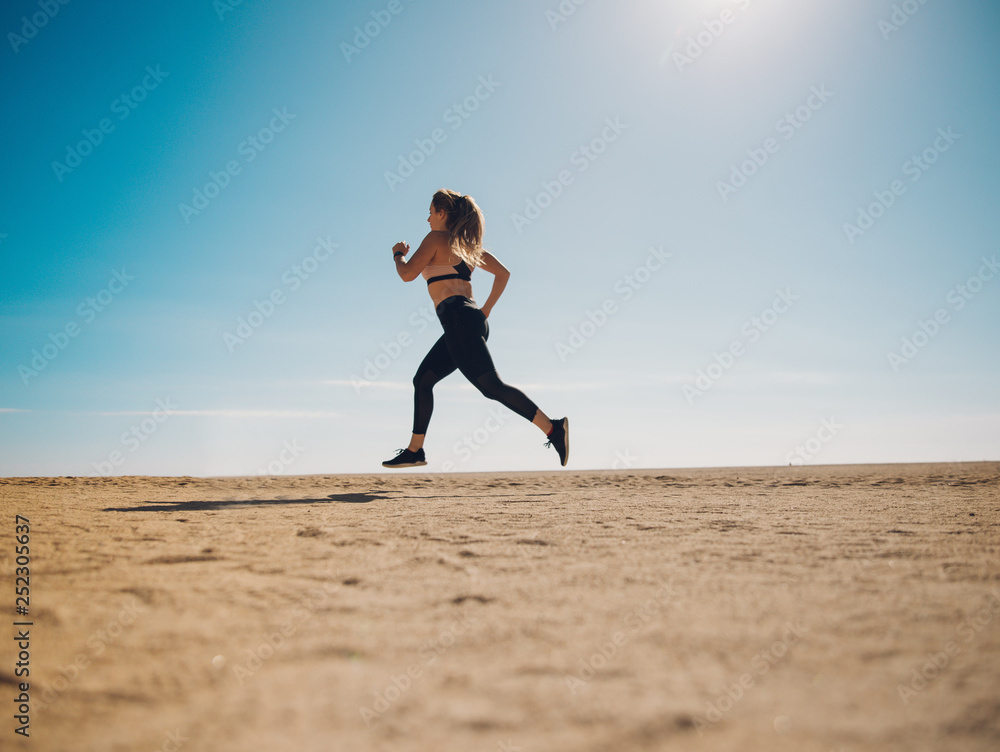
pixel 406 458
pixel 559 438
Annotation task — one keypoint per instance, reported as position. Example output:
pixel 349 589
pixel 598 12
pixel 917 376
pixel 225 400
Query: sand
pixel 799 608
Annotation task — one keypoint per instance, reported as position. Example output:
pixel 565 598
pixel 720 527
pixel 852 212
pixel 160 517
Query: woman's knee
pixel 490 386
pixel 424 380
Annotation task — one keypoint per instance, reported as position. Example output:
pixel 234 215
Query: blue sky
pixel 201 201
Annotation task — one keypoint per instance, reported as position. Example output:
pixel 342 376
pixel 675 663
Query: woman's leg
pixel 466 331
pixel 543 422
pixel 490 385
pixel 435 366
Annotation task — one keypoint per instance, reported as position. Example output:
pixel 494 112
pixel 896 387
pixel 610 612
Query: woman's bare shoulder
pixel 439 241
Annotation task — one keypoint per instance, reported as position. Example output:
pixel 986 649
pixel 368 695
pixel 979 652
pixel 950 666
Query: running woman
pixel 446 258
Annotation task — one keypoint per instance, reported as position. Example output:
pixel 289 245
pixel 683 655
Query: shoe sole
pixel 411 464
pixel 566 440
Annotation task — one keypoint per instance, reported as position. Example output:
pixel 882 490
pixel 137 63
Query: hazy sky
pixel 741 232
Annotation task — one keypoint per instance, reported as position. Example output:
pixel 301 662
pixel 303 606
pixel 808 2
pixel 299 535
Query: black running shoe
pixel 406 458
pixel 559 438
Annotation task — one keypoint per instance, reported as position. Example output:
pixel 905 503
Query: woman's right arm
pixel 500 276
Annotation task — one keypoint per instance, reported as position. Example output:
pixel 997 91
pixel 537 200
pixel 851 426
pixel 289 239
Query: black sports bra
pixel 460 270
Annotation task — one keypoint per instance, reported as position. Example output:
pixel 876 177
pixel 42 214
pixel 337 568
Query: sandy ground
pixel 818 608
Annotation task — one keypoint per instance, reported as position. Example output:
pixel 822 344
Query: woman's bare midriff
pixel 448 287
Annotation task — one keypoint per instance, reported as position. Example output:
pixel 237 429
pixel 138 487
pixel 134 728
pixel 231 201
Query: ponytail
pixel 465 225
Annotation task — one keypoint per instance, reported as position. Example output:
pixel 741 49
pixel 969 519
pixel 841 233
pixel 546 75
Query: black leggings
pixel 462 346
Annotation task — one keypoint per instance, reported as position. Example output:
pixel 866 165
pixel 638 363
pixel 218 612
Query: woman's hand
pixel 403 248
pixel 486 311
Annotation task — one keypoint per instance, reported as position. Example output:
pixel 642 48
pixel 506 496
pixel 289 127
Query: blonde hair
pixel 465 225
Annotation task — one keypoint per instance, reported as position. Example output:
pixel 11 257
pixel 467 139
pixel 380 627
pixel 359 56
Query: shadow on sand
pixel 199 506
pixel 343 498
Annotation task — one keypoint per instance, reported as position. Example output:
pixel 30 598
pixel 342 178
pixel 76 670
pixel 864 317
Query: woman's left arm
pixel 500 276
